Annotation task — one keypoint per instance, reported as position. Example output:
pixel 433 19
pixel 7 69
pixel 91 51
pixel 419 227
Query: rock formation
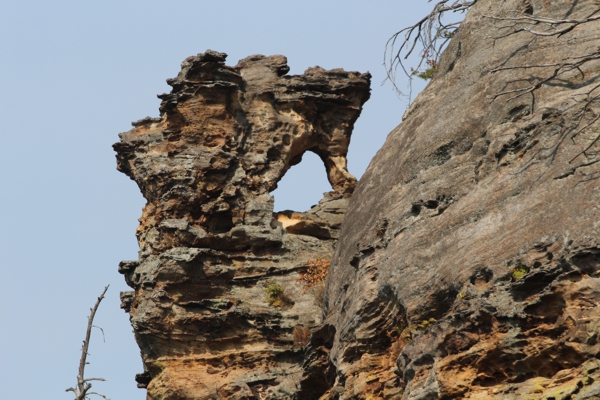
pixel 468 265
pixel 212 252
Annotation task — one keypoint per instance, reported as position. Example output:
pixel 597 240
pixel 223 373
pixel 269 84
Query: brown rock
pixel 210 244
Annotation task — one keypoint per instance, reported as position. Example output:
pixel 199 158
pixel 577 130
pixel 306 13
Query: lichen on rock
pixel 209 239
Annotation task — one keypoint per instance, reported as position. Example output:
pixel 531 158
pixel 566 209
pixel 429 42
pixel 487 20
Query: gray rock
pixel 480 218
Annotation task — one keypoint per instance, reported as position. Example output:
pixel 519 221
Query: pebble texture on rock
pixel 209 241
pixel 468 265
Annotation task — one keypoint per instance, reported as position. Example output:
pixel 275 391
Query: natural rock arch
pixel 209 241
pixel 303 185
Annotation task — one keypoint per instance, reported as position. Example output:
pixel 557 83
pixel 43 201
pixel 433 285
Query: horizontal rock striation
pixel 468 265
pixel 210 244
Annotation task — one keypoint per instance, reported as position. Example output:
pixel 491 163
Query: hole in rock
pixel 303 185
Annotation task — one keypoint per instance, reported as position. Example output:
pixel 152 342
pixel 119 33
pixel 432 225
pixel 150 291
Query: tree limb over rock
pixel 556 27
pixel 431 34
pixel 523 21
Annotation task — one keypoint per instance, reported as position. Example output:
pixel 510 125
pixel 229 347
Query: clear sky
pixel 73 74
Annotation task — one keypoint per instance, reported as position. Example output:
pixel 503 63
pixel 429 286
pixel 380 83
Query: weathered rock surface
pixel 468 264
pixel 209 240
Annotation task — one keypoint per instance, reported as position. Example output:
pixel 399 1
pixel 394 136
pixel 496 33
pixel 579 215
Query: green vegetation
pixel 408 333
pixel 275 295
pixel 445 33
pixel 427 74
pixel 422 326
pixel 519 272
pixel 159 365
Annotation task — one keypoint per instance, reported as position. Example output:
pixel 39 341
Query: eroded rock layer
pixel 210 244
pixel 468 265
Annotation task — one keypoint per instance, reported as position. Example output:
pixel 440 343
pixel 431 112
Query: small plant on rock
pixel 159 365
pixel 428 73
pixel 519 272
pixel 275 295
pixel 415 330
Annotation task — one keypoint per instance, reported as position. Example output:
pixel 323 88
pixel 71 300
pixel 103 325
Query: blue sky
pixel 73 74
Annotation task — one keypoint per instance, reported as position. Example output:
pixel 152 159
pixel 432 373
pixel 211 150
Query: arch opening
pixel 303 185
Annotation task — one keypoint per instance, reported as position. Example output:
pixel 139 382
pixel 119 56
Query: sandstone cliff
pixel 468 264
pixel 210 244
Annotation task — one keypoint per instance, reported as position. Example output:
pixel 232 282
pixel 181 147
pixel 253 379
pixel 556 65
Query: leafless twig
pixel 430 35
pixel 590 100
pixel 522 21
pixel 554 27
pixel 570 64
pixel 83 384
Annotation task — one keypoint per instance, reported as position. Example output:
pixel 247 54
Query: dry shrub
pixel 315 274
pixel 301 335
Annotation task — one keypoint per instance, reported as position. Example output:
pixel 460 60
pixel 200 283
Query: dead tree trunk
pixel 83 384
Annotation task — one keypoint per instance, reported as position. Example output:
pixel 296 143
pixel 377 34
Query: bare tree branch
pixel 101 330
pixel 554 27
pixel 559 68
pixel 548 27
pixel 431 35
pixel 83 385
pixel 551 24
pixel 590 101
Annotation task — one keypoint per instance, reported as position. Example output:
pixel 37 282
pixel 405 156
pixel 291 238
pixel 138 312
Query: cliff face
pixel 210 245
pixel 468 264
